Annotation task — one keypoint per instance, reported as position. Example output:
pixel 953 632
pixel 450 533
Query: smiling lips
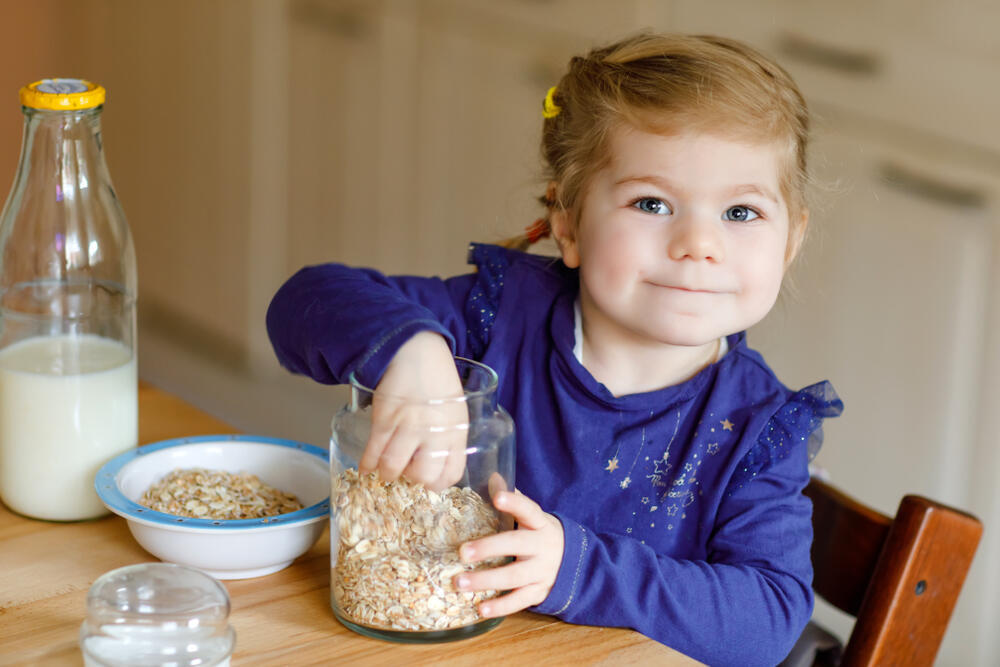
pixel 688 290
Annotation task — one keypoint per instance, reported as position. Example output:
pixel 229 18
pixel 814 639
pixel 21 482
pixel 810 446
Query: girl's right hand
pixel 413 432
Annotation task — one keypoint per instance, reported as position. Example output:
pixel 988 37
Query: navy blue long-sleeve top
pixel 682 508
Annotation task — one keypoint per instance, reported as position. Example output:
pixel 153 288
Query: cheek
pixel 612 256
pixel 762 280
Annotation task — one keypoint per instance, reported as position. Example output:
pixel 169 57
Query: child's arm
pixel 330 320
pixel 397 334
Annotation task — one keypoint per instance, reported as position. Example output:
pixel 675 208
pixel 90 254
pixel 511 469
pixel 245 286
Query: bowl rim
pixel 116 501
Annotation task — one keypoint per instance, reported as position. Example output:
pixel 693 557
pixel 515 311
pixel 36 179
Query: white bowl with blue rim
pixel 226 549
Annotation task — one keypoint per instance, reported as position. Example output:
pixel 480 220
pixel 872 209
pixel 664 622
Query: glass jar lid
pixel 157 614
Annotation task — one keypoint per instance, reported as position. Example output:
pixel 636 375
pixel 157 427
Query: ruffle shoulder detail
pixel 799 421
pixel 481 308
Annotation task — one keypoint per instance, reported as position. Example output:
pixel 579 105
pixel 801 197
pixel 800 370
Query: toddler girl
pixel 660 463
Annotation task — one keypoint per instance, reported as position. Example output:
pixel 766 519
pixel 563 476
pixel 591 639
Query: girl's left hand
pixel 537 544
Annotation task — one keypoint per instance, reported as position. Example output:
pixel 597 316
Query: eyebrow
pixel 747 189
pixel 754 189
pixel 641 179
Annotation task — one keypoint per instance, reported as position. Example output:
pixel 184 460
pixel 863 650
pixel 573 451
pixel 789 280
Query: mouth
pixel 687 289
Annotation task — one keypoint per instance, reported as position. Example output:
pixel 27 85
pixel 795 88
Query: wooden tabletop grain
pixel 280 619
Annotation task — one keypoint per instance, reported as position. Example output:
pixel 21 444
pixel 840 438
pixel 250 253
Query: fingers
pixel 454 466
pixel 525 510
pixel 513 602
pixel 382 429
pixel 425 463
pixel 523 578
pixel 515 574
pixel 496 484
pixel 518 543
pixel 426 444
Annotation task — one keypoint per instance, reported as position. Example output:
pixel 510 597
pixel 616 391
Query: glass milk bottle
pixel 394 546
pixel 68 384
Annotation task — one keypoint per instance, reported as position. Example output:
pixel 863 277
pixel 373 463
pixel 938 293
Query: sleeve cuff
pixel 576 542
pixel 371 367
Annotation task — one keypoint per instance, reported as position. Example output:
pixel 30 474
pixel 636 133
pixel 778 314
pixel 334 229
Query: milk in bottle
pixel 68 385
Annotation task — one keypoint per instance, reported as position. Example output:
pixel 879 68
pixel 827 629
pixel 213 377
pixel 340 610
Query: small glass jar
pixel 394 546
pixel 157 614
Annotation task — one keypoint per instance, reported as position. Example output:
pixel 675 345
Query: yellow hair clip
pixel 550 109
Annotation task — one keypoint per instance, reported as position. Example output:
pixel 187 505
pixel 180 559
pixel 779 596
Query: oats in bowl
pixel 226 548
pixel 217 494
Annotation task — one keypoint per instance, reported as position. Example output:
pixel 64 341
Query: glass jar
pixel 157 614
pixel 68 383
pixel 394 546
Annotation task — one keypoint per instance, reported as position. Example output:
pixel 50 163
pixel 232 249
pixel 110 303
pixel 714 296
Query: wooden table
pixel 280 619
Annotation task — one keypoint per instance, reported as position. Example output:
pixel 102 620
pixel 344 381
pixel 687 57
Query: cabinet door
pixel 175 129
pixel 904 64
pixel 480 122
pixel 350 81
pixel 889 305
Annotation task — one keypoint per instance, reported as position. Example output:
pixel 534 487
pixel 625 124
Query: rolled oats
pixel 398 553
pixel 217 494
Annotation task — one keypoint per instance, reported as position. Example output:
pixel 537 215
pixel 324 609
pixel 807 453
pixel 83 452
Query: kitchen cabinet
pixel 437 143
pixel 892 301
pixel 900 63
pixel 350 151
pixel 492 81
pixel 889 301
pixel 178 144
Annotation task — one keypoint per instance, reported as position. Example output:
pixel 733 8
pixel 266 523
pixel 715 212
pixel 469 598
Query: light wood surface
pixel 280 619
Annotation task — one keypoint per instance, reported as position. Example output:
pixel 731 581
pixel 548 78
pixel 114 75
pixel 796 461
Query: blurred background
pixel 247 138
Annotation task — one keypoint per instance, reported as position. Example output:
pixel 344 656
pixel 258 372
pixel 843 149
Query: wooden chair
pixel 898 576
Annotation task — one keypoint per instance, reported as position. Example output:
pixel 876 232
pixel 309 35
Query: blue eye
pixel 740 214
pixel 652 205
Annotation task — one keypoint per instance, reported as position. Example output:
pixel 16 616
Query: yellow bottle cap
pixel 62 94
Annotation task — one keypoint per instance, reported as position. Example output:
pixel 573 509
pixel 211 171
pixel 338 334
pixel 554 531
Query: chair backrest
pixel 898 576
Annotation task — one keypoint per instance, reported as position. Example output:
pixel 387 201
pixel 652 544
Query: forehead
pixel 694 157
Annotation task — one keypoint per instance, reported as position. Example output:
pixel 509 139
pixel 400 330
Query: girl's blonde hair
pixel 665 83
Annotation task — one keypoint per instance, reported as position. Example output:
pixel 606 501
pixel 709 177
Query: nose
pixel 696 237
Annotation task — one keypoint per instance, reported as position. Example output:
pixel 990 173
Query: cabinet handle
pixel 338 21
pixel 920 185
pixel 829 56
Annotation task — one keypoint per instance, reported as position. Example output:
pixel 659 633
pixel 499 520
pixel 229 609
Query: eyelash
pixel 635 204
pixel 753 210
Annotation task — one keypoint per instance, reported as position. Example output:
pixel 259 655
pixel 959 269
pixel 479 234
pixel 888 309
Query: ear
pixel 796 234
pixel 561 223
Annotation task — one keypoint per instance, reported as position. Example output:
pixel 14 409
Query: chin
pixel 689 338
pixel 687 334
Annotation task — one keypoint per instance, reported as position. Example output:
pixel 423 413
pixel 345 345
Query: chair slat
pixel 927 554
pixel 899 576
pixel 847 541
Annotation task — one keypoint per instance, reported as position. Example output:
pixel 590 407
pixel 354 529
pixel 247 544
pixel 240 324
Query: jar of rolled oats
pixel 394 545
